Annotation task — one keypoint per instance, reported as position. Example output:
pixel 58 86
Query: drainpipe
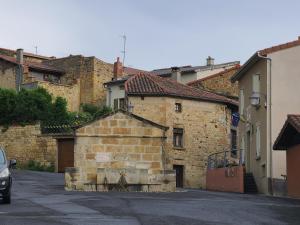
pixel 269 114
pixel 19 70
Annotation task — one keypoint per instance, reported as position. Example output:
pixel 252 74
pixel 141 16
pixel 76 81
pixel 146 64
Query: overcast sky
pixel 160 33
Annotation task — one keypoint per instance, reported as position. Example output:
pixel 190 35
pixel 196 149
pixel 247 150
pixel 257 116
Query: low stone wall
pixel 229 179
pixel 109 179
pixel 27 143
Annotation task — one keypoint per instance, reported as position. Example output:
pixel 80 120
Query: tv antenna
pixel 124 48
pixel 36 47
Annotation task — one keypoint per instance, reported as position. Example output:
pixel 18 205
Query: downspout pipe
pixel 269 116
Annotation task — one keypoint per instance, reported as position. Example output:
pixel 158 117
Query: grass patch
pixel 37 166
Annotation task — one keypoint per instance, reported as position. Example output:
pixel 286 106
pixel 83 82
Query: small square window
pixel 178 107
pixel 178 137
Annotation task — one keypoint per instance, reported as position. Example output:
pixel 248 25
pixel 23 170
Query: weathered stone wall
pixel 219 83
pixel 119 143
pixel 26 143
pixel 93 73
pixel 103 72
pixel 70 92
pixel 206 130
pixel 27 57
pixel 7 75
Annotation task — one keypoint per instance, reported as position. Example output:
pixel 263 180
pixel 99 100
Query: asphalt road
pixel 39 198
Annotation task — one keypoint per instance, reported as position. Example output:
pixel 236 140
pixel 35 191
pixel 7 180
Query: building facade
pixel 266 82
pixel 199 122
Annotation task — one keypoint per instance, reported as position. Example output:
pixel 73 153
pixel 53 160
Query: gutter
pixel 269 116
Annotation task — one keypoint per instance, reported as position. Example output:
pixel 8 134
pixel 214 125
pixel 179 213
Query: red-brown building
pixel 289 139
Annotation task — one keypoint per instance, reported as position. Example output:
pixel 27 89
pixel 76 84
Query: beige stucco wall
pixel 206 130
pixel 285 80
pixel 27 143
pixel 251 117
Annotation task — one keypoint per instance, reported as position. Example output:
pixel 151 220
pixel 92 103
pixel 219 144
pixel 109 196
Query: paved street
pixel 39 198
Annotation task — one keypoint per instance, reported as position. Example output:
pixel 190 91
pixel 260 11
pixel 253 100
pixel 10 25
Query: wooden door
pixel 179 175
pixel 65 154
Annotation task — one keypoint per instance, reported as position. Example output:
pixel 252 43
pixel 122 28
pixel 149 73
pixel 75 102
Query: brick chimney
pixel 210 61
pixel 118 69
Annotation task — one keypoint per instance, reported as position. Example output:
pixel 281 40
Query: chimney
pixel 176 74
pixel 19 54
pixel 210 61
pixel 118 69
pixel 19 69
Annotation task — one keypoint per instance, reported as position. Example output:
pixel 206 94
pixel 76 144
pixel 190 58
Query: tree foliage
pixel 31 106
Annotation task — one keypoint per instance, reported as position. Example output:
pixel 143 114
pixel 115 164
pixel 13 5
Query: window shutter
pixel 256 83
pixel 257 141
pixel 242 102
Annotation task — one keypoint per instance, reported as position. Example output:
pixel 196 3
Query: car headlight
pixel 4 173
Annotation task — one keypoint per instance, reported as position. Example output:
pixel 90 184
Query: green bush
pixel 30 106
pixel 95 111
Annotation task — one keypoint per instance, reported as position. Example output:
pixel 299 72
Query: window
pixel 178 107
pixel 242 102
pixel 257 141
pixel 233 143
pixel 178 137
pixel 256 83
pixel 119 103
pixel 122 103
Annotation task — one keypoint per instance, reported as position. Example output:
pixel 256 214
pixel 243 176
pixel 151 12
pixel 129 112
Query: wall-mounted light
pixel 255 99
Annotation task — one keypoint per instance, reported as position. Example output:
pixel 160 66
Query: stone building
pixel 219 83
pixel 77 78
pixel 184 74
pixel 120 150
pixel 199 122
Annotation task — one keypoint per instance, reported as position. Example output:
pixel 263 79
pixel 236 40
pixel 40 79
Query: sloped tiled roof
pixel 33 65
pixel 195 82
pixel 280 47
pixel 27 54
pixel 131 71
pixel 290 129
pixel 264 52
pixel 152 85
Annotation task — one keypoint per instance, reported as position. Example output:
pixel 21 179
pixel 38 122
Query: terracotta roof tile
pixel 130 70
pixel 289 129
pixel 28 54
pixel 276 48
pixel 151 85
pixel 33 65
